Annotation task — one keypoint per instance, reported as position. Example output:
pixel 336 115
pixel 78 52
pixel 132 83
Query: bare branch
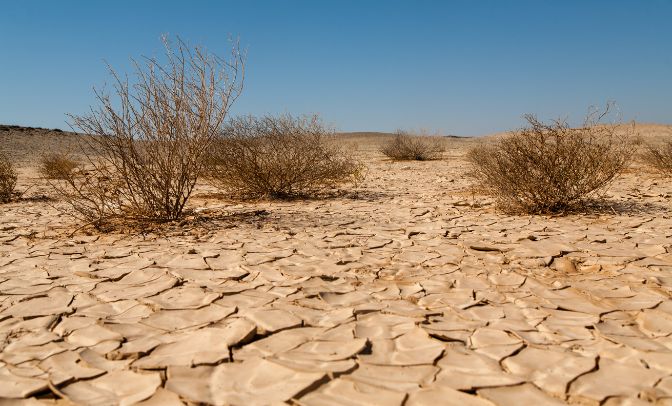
pixel 150 140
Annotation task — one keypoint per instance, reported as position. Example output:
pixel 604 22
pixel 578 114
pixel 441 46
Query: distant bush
pixel 146 148
pixel 408 147
pixel 57 166
pixel 551 168
pixel 279 157
pixel 660 157
pixel 8 178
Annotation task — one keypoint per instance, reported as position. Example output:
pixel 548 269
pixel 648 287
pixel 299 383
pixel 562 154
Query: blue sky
pixel 460 67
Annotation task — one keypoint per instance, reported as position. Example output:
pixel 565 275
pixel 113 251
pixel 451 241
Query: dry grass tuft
pixel 57 166
pixel 279 157
pixel 8 178
pixel 659 157
pixel 409 147
pixel 146 148
pixel 552 168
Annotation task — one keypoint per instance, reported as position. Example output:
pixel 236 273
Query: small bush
pixel 279 157
pixel 146 148
pixel 8 179
pixel 57 166
pixel 660 157
pixel 95 195
pixel 408 147
pixel 551 168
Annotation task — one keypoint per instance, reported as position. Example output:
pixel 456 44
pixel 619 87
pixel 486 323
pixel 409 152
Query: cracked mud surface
pixel 414 292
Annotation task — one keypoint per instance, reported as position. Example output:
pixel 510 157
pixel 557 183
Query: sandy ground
pixel 410 291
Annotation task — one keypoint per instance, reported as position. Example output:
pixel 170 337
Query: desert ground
pixel 409 289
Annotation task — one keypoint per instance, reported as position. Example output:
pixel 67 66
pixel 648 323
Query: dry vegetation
pixel 279 157
pixel 57 165
pixel 659 156
pixel 410 147
pixel 94 196
pixel 148 144
pixel 8 178
pixel 551 168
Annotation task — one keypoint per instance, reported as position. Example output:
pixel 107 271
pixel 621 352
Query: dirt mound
pixel 18 128
pixel 26 144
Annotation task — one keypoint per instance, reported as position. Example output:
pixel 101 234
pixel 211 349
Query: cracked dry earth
pixel 413 293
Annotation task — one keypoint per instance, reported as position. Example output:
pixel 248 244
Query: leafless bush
pixel 408 147
pixel 8 178
pixel 148 145
pixel 550 168
pixel 659 157
pixel 57 165
pixel 279 157
pixel 94 194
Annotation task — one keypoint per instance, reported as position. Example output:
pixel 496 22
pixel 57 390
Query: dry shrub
pixel 8 178
pixel 552 168
pixel 408 147
pixel 94 194
pixel 57 166
pixel 146 147
pixel 660 157
pixel 279 157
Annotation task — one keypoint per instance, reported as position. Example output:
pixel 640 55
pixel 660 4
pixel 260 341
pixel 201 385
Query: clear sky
pixel 460 67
